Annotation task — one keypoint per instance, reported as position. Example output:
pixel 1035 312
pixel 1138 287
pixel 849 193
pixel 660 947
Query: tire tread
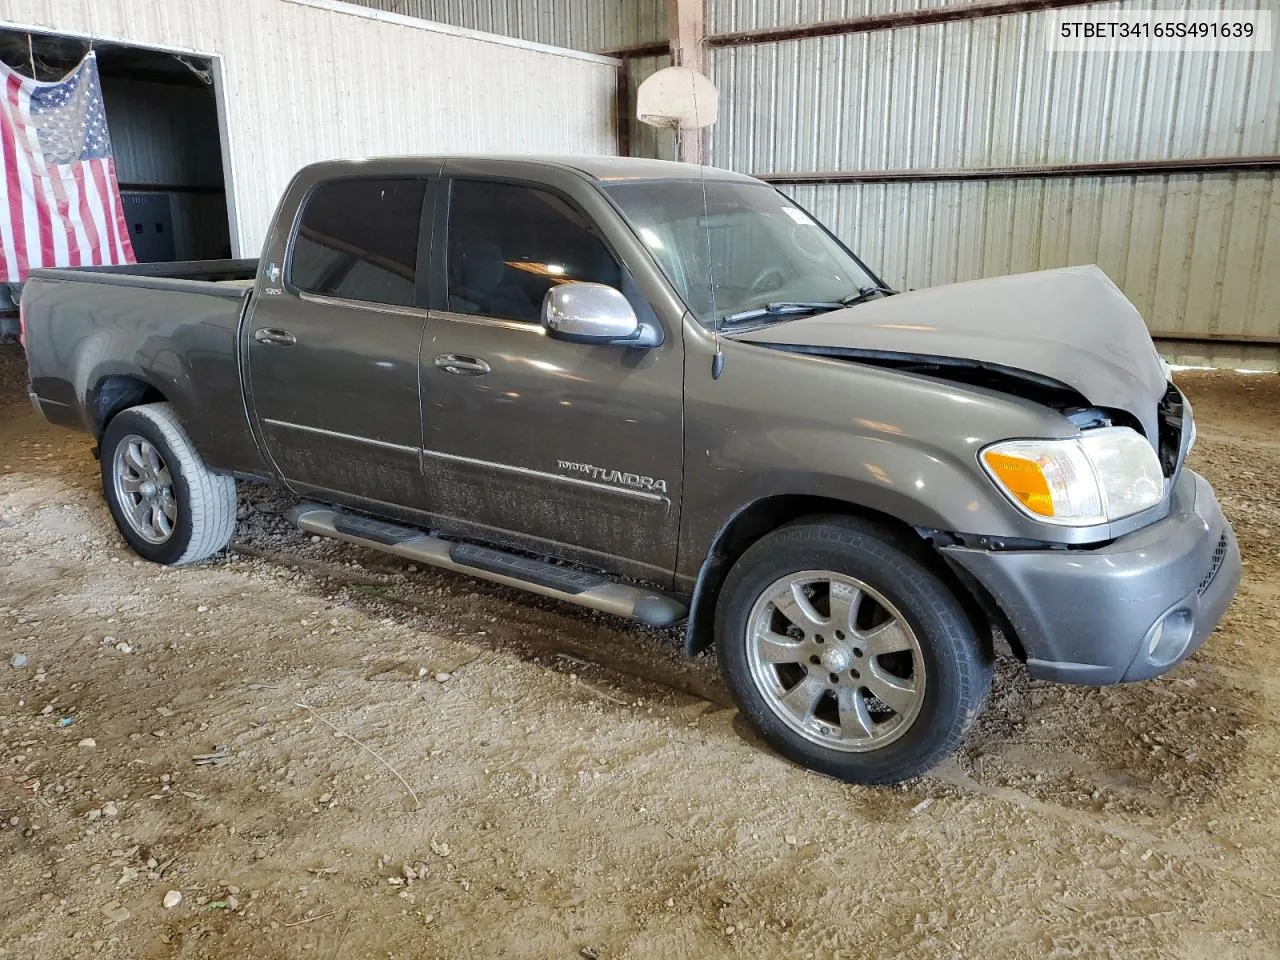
pixel 212 495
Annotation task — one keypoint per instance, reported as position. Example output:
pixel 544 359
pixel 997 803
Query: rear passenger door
pixel 571 448
pixel 333 344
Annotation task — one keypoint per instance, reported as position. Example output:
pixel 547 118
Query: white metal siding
pixel 1196 253
pixel 303 83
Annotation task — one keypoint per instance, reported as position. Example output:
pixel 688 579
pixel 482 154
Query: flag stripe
pixel 38 183
pixel 8 261
pixel 122 222
pixel 13 179
pixel 93 242
pixel 111 246
pixel 9 235
pixel 77 237
pixel 98 209
pixel 63 231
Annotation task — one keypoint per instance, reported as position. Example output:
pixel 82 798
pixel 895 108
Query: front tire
pixel 848 653
pixel 169 506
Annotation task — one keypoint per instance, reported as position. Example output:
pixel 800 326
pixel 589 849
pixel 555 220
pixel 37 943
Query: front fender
pixel 895 476
pixel 896 443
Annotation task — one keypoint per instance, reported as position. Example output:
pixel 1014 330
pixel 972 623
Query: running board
pixel 592 590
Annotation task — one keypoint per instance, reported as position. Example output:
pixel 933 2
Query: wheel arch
pixel 113 394
pixel 761 517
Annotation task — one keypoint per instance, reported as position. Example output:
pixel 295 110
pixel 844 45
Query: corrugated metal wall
pixel 1192 251
pixel 578 24
pixel 980 93
pixel 303 81
pixel 730 16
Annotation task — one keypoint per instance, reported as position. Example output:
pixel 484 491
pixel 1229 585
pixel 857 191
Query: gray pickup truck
pixel 667 392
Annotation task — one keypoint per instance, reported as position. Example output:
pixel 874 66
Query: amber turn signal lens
pixel 1024 479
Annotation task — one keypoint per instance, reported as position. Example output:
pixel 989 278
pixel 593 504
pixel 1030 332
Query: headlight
pixel 1102 475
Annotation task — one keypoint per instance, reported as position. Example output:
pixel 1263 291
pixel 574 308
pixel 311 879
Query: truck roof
pixel 602 168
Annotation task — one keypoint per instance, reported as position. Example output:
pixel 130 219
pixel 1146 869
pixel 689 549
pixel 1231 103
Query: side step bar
pixel 592 590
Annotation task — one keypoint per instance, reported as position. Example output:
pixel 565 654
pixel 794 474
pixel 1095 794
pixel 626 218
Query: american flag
pixel 59 199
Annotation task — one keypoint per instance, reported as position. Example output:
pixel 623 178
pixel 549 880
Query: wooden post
pixel 623 106
pixel 687 29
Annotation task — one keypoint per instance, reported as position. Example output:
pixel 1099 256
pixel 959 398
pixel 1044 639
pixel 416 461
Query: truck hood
pixel 1072 326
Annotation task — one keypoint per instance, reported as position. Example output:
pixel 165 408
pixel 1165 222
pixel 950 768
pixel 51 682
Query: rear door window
pixel 509 244
pixel 358 240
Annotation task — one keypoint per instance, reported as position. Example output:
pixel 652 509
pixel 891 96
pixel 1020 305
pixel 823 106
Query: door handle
pixel 281 338
pixel 461 366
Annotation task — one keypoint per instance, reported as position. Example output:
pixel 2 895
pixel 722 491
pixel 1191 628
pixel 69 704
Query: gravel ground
pixel 412 764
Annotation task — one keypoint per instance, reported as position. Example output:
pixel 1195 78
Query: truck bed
pixel 96 334
pixel 220 277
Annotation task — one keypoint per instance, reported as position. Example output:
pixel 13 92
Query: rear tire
pixel 169 506
pixel 848 653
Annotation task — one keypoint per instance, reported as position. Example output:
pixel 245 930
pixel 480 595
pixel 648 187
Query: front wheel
pixel 847 653
pixel 169 506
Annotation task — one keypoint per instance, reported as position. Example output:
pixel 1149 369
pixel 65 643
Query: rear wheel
pixel 847 653
pixel 169 506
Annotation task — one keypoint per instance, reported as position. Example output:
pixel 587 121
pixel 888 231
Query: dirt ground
pixel 420 765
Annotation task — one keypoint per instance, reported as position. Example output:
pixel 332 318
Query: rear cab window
pixel 357 239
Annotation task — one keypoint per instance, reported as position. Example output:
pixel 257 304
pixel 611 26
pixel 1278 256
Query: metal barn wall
pixel 730 16
pixel 306 80
pixel 1191 250
pixel 598 25
pixel 579 24
pixel 976 93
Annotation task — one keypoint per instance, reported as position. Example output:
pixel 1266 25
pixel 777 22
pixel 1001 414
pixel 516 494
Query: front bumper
pixel 1091 616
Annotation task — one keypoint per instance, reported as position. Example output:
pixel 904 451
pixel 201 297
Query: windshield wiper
pixel 790 308
pixel 866 293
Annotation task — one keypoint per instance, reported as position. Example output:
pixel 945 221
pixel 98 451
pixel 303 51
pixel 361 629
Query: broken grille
pixel 1214 565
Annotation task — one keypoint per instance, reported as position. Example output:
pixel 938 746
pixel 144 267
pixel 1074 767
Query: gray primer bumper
pixel 1084 616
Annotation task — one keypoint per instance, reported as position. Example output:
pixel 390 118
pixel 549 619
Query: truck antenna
pixel 717 361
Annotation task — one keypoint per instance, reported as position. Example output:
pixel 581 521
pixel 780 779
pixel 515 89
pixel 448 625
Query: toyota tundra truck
pixel 669 393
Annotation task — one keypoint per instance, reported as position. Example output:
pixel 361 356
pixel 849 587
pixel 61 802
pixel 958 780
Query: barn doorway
pixel 162 113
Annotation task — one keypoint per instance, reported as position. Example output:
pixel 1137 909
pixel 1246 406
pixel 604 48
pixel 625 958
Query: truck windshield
pixel 758 247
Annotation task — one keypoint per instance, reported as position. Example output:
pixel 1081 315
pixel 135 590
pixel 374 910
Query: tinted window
pixel 508 245
pixel 358 239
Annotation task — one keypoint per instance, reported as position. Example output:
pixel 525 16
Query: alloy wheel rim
pixel 144 489
pixel 835 661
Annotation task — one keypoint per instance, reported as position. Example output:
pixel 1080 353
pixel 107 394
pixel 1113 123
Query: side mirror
pixel 589 313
